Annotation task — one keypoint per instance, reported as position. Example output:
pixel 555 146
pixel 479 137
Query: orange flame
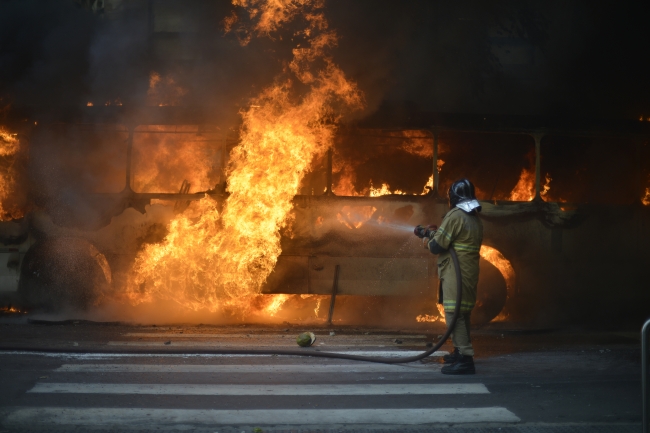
pixel 11 310
pixel 547 186
pixel 345 185
pixel 9 149
pixel 211 258
pixel 384 190
pixel 165 156
pixel 504 266
pixel 646 198
pixel 276 304
pixel 414 142
pixel 524 190
pixel 430 318
pixel 354 217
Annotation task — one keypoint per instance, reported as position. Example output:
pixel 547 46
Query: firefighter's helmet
pixel 461 195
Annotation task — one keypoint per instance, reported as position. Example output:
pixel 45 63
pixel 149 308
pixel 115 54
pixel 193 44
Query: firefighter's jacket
pixel 463 232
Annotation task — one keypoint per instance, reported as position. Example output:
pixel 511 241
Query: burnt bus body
pixel 573 263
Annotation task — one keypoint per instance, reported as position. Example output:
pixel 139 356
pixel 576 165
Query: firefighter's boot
pixel 452 357
pixel 464 365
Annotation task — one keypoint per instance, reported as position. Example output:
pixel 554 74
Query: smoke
pixel 470 56
pixel 572 58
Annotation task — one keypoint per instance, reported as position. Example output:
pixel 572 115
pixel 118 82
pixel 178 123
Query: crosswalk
pixel 134 392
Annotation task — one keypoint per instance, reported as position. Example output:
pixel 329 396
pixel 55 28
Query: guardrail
pixel 645 389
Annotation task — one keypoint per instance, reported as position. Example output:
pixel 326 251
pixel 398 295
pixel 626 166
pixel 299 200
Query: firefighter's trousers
pixel 460 335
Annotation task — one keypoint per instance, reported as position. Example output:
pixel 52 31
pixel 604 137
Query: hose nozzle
pixel 425 232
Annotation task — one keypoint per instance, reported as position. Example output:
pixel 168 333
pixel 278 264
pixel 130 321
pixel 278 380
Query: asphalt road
pixel 553 381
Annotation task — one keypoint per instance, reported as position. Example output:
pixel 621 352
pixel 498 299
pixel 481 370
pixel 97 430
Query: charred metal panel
pixel 366 276
pixel 370 276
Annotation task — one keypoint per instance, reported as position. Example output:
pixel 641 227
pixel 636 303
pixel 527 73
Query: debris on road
pixel 306 339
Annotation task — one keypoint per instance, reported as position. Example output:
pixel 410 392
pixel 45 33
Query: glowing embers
pixel 11 310
pixel 354 217
pixel 117 102
pixel 525 188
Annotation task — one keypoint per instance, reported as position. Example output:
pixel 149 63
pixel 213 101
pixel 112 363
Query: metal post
pixel 644 376
pixel 335 289
pixel 129 157
pixel 538 165
pixel 435 164
pixel 329 172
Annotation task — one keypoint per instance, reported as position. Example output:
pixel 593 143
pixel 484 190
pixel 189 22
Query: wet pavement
pixel 526 381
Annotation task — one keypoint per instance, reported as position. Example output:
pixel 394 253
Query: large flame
pixel 646 198
pixel 212 259
pixel 9 148
pixel 524 190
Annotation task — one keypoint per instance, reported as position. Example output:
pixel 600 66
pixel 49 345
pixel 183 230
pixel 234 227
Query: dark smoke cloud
pixel 584 58
pixel 581 57
pixel 43 51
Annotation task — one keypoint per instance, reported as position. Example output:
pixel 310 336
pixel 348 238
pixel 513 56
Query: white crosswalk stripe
pixel 141 418
pixel 267 343
pixel 250 369
pixel 321 389
pixel 283 337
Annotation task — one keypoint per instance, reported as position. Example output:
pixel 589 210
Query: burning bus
pixel 149 192
pixel 552 197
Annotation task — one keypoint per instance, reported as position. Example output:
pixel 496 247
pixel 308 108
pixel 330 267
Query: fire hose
pixel 317 354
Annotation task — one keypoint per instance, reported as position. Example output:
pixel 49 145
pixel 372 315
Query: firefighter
pixel 462 229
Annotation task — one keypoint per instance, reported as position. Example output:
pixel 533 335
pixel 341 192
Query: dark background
pixel 570 58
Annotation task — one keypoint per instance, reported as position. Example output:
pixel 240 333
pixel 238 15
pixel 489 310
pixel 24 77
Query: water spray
pixel 394 226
